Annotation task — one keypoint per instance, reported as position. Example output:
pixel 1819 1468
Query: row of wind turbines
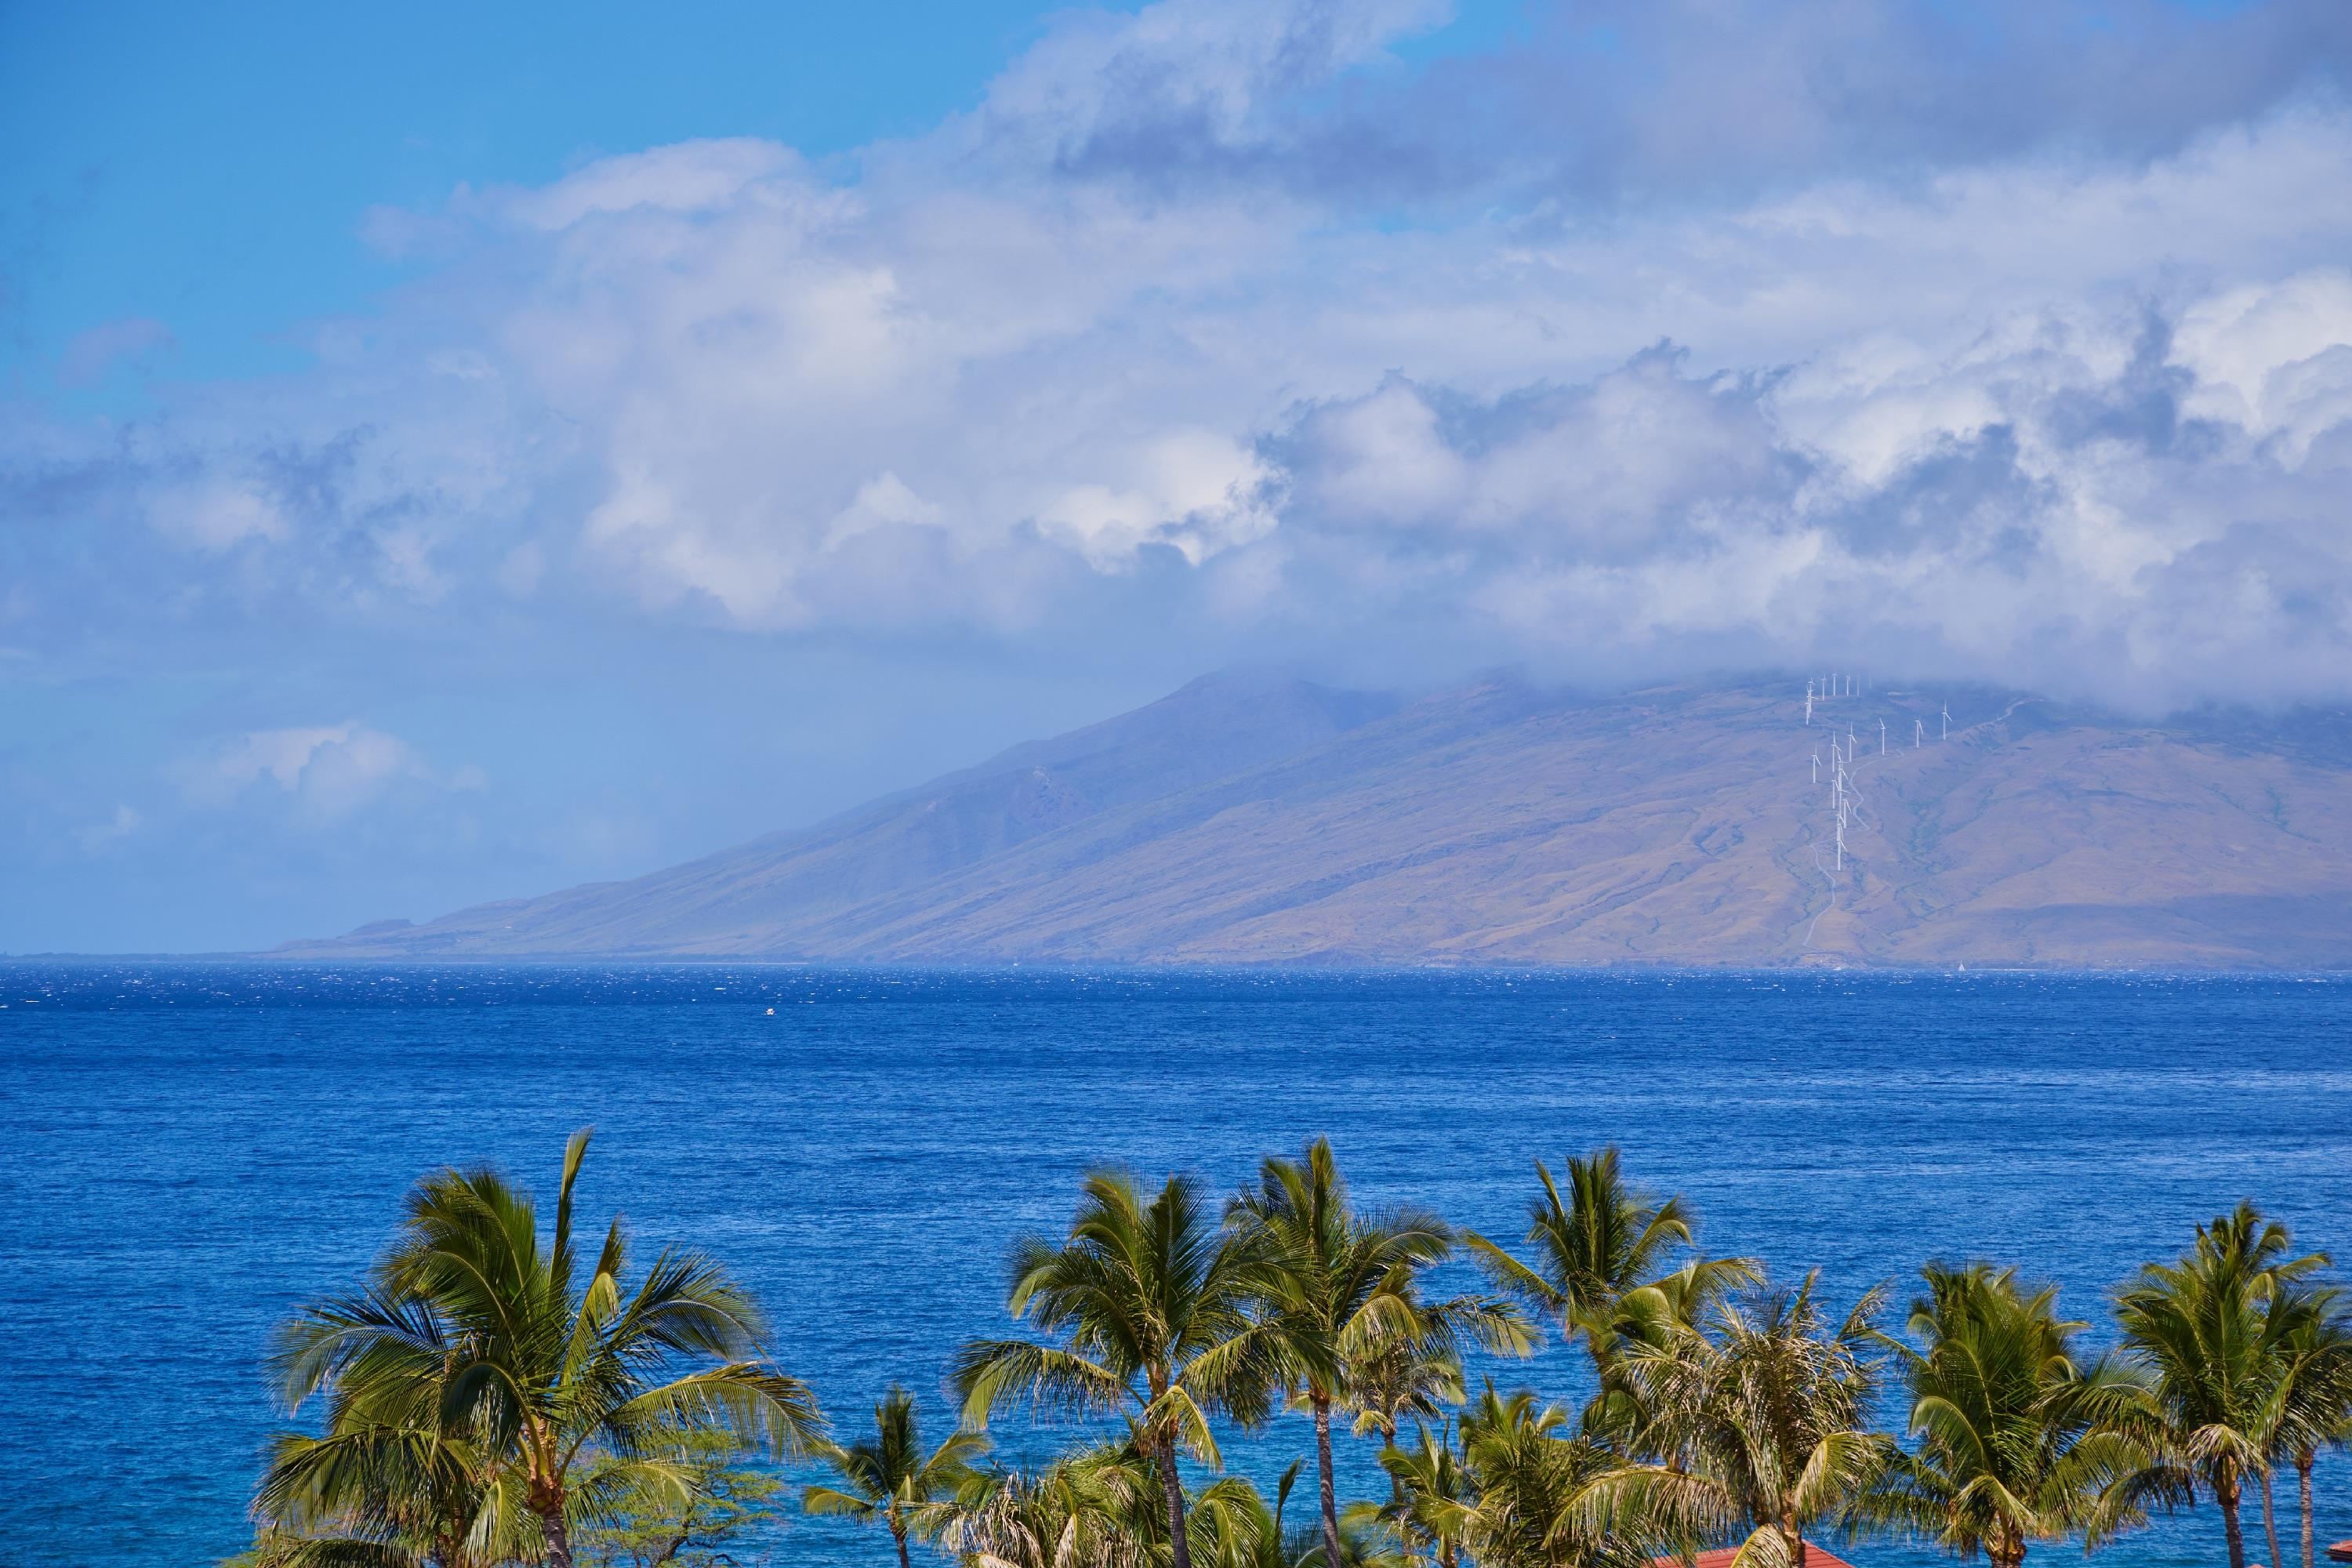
pixel 1823 689
pixel 1828 685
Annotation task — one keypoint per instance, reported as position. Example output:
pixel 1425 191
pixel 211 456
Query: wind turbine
pixel 1881 737
pixel 1947 721
pixel 1917 731
pixel 1838 794
pixel 1840 819
pixel 1809 705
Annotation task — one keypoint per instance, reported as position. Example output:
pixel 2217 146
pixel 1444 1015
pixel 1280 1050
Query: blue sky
pixel 446 456
pixel 208 168
pixel 208 174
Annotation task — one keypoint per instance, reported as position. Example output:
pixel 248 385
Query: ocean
pixel 192 1149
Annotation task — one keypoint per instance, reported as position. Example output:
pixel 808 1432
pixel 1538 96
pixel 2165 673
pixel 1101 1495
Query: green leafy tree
pixel 1338 1292
pixel 2215 1357
pixel 1151 1303
pixel 697 1514
pixel 890 1478
pixel 2007 1416
pixel 1757 1424
pixel 547 1369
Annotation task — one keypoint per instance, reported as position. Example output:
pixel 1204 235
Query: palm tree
pixel 1429 1505
pixel 1101 1509
pixel 889 1476
pixel 1338 1285
pixel 1526 1468
pixel 1093 1510
pixel 1401 1375
pixel 2007 1416
pixel 388 1482
pixel 2313 1339
pixel 1758 1428
pixel 2201 1328
pixel 372 1494
pixel 473 1316
pixel 1152 1302
pixel 1235 1527
pixel 1598 1246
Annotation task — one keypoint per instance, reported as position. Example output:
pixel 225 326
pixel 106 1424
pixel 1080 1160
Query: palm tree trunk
pixel 2270 1522
pixel 1173 1486
pixel 899 1533
pixel 543 1495
pixel 559 1536
pixel 1323 1470
pixel 2226 1495
pixel 2302 1496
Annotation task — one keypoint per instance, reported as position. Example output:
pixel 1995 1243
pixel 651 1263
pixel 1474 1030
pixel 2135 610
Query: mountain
pixel 1254 819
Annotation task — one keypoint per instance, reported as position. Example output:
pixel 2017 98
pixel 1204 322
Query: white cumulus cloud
pixel 325 773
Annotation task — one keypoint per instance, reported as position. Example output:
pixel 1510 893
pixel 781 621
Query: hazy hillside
pixel 1259 820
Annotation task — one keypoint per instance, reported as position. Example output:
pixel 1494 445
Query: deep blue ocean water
pixel 192 1149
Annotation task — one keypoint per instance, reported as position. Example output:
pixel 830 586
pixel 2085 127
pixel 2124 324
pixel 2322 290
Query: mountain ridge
pixel 1264 819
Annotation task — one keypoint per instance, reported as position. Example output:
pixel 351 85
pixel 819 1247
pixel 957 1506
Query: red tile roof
pixel 1816 1556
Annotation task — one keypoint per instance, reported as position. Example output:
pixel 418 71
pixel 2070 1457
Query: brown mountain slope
pixel 1500 825
pixel 1214 727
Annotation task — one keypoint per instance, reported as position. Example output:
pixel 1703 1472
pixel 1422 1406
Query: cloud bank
pixel 2018 348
